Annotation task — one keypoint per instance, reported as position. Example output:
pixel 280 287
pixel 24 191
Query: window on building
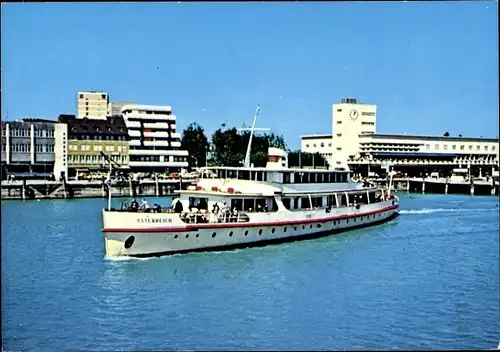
pixel 339 134
pixel 339 148
pixel 493 148
pixel 314 145
pixel 81 96
pixel 427 146
pixel 103 96
pixel 322 145
pixel 329 144
pixel 445 147
pixel 307 145
pixel 478 147
pixel 462 147
pixel 339 122
pixel 470 147
pixel 486 148
pixel 453 147
pixel 339 110
pixel 436 147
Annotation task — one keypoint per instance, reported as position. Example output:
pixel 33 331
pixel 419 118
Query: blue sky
pixel 430 67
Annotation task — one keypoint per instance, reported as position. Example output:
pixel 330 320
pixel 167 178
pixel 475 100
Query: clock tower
pixel 350 119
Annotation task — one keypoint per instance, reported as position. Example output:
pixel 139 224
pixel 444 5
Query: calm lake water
pixel 427 280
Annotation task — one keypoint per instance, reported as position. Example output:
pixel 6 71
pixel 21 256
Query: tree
pixel 230 147
pixel 196 143
pixel 446 134
pixel 297 158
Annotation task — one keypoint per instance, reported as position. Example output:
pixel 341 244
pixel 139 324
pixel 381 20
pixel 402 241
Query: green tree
pixel 229 147
pixel 196 143
pixel 297 158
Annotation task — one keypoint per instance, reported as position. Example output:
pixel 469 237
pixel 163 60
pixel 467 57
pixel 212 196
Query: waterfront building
pixel 318 143
pixel 33 148
pixel 350 120
pixel 357 146
pixel 154 143
pixel 87 138
pixel 93 105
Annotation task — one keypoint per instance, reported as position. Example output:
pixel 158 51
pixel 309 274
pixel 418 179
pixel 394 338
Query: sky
pixel 430 67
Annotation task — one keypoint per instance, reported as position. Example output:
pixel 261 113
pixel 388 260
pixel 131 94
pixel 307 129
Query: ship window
pixel 187 236
pixel 198 203
pixel 246 233
pixel 303 227
pixel 260 232
pixel 319 225
pixel 213 235
pixel 244 175
pixel 286 177
pixel 286 202
pixel 248 204
pixel 284 229
pixel 231 234
pixel 305 203
pixel 272 231
pixel 197 235
pixel 295 228
pixel 311 226
pixel 317 202
pixel 176 236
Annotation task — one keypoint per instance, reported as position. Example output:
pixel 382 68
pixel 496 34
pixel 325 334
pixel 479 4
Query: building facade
pixel 87 138
pixel 356 146
pixel 427 153
pixel 29 148
pixel 318 143
pixel 154 143
pixel 350 120
pixel 93 105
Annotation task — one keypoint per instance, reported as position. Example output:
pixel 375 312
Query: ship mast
pixel 246 163
pixel 108 181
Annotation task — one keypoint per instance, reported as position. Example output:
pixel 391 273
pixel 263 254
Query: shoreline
pixel 37 190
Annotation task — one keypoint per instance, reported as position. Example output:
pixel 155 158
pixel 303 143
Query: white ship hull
pixel 156 234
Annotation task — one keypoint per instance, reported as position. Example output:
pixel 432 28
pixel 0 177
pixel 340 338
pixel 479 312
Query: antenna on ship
pixel 108 181
pixel 252 129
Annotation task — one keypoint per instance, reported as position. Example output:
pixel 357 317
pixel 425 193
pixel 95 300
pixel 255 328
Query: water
pixel 427 280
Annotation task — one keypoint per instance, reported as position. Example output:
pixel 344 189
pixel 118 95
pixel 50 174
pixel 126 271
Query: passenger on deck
pixel 144 205
pixel 215 208
pixel 134 206
pixel 178 207
pixel 157 208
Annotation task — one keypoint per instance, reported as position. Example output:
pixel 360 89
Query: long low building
pixel 363 150
pixel 33 148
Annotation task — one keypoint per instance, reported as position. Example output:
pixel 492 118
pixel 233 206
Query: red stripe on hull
pixel 196 227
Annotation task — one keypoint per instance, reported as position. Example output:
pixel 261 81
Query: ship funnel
pixel 277 158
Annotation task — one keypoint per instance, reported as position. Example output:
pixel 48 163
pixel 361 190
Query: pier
pixel 441 186
pixel 41 189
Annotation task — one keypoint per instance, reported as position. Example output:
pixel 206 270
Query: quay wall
pixel 84 189
pixel 440 186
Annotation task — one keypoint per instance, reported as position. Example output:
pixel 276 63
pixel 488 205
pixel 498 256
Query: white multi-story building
pixel 154 143
pixel 93 105
pixel 318 143
pixel 350 120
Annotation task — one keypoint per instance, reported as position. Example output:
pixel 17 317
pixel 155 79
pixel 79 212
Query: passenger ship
pixel 235 207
